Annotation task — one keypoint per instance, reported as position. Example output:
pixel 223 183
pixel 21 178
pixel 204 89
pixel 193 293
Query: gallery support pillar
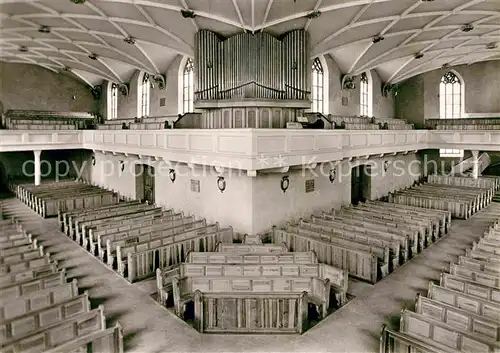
pixel 475 164
pixel 38 169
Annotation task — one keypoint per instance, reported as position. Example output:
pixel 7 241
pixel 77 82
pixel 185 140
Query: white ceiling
pixel 344 30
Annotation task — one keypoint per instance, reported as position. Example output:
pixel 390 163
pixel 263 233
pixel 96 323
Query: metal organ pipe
pixel 252 66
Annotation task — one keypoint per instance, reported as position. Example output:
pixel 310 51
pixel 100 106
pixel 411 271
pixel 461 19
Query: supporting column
pixel 38 169
pixel 475 164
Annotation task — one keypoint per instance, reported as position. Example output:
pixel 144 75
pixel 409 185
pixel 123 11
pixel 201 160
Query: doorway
pixel 145 182
pixel 360 183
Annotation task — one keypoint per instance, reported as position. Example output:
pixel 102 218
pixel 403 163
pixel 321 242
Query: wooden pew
pixel 21 266
pixel 439 333
pixel 458 208
pixel 469 287
pixel 318 289
pixel 81 227
pixel 219 258
pixel 358 263
pixel 251 248
pixel 142 259
pixel 482 255
pixel 251 312
pixel 405 233
pixel 460 319
pixel 382 253
pixel 399 342
pixel 168 230
pixel 15 287
pixel 464 301
pixel 16 306
pixel 443 216
pixel 492 280
pixel 431 226
pixel 107 243
pixel 70 218
pixel 399 245
pixel 481 182
pixel 492 267
pixel 39 319
pixel 65 216
pixel 337 277
pixel 105 341
pixel 58 334
pixel 83 200
pixel 481 245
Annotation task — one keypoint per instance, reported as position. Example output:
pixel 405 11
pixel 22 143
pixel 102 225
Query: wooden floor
pixel 148 328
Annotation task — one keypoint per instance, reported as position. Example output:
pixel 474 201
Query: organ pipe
pixel 252 66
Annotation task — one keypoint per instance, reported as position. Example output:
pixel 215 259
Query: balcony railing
pixel 246 148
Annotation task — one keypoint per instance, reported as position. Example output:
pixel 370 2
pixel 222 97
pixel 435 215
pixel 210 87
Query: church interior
pixel 249 176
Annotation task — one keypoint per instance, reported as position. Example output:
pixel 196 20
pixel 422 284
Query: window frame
pixel 188 87
pixel 317 87
pixel 451 105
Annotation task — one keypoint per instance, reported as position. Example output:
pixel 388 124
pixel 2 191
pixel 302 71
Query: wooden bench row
pixel 51 198
pixel 461 201
pixel 135 239
pixel 40 311
pixel 461 314
pixel 484 182
pixel 263 286
pixel 369 240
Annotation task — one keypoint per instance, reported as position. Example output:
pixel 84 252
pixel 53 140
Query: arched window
pixel 188 87
pixel 113 101
pixel 451 105
pixel 318 83
pixel 365 108
pixel 145 91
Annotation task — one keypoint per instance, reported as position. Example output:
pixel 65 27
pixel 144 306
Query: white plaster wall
pixel 106 173
pixel 231 207
pixel 272 206
pixel 252 205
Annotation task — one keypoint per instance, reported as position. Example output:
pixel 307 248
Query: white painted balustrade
pixel 245 148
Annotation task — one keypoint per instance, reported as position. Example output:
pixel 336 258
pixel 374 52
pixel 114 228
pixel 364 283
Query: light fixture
pixel 467 28
pixel 93 56
pixel 313 15
pixel 23 48
pixel 188 14
pixel 67 68
pixel 44 29
pixel 492 45
pixel 445 66
pixel 129 40
pixel 419 55
pixel 427 0
pixel 378 39
pixel 78 1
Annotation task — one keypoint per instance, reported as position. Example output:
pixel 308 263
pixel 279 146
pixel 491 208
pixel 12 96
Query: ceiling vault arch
pixel 147 35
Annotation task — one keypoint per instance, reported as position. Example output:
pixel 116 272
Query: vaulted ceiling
pixel 61 35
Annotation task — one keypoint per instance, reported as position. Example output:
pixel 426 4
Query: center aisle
pixel 148 328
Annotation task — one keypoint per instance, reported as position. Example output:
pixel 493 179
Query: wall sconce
pixel 332 175
pixel 386 166
pixel 122 166
pixel 93 160
pixel 172 175
pixel 221 184
pixel 285 183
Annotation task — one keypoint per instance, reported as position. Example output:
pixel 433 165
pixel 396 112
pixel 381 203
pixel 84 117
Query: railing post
pixel 38 171
pixel 475 164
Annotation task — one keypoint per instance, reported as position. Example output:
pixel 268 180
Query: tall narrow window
pixel 450 105
pixel 364 102
pixel 145 90
pixel 113 102
pixel 188 87
pixel 318 81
